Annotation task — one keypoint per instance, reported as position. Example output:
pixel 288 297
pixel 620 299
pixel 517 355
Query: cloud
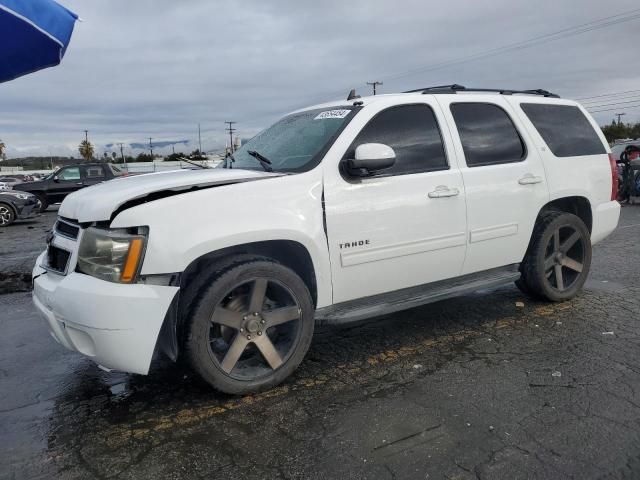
pixel 158 68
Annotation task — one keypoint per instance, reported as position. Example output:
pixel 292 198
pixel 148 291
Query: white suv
pixel 336 213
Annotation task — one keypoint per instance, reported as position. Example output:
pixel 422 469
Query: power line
pixel 564 33
pixel 608 94
pixel 548 37
pixel 628 107
pixel 610 99
pixel 614 103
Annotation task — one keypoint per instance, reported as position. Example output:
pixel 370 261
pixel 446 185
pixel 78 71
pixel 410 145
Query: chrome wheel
pixel 564 258
pixel 6 215
pixel 254 329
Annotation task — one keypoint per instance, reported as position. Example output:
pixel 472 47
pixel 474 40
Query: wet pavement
pixel 20 245
pixel 474 387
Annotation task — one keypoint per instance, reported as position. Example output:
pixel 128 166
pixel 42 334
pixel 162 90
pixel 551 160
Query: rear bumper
pixel 605 220
pixel 115 325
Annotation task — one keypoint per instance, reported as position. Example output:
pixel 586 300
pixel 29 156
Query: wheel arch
pixel 194 278
pixel 578 205
pixel 12 207
pixel 289 253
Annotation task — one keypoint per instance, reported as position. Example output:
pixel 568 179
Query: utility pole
pixel 230 129
pixel 86 135
pixel 374 84
pixel 619 116
pixel 173 148
pixel 151 149
pixel 199 141
pixel 122 153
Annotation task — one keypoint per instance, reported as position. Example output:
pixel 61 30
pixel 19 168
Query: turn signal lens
pixel 132 262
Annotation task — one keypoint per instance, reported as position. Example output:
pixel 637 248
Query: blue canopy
pixel 34 34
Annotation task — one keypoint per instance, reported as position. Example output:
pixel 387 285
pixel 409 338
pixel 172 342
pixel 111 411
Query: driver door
pixel 67 180
pixel 393 230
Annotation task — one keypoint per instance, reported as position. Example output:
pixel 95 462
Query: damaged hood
pixel 97 203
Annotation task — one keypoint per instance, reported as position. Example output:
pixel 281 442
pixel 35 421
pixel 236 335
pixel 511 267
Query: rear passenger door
pixel 93 174
pixel 504 179
pixel 404 226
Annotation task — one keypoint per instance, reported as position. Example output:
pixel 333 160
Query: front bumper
pixel 116 325
pixel 28 209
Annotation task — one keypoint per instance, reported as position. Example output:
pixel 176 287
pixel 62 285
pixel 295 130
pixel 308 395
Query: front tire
pixel 251 327
pixel 7 215
pixel 559 257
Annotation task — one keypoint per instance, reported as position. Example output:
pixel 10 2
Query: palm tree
pixel 86 150
pixel 2 148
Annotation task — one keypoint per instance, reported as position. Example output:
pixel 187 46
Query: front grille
pixel 57 259
pixel 67 229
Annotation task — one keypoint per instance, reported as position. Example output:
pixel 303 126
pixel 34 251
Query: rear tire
pixel 251 327
pixel 7 215
pixel 557 262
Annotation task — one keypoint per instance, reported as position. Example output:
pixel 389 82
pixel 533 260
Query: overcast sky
pixel 139 69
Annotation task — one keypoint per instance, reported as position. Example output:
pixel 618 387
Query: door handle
pixel 530 179
pixel 79 183
pixel 442 191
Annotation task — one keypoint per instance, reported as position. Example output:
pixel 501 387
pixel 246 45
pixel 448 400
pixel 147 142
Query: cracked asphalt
pixel 478 387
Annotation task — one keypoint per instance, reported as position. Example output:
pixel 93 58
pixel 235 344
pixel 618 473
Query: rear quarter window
pixel 565 129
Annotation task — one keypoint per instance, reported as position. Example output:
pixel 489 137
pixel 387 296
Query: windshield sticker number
pixel 332 114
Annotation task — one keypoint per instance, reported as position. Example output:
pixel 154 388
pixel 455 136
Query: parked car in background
pixel 21 177
pixel 10 181
pixel 17 206
pixel 57 185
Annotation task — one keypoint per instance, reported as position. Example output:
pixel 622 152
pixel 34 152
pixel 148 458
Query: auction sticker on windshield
pixel 332 114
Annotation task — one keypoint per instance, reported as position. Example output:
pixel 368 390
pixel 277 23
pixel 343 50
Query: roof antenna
pixel 352 95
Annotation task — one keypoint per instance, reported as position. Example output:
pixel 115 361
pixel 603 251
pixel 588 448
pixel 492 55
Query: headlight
pixel 114 255
pixel 22 196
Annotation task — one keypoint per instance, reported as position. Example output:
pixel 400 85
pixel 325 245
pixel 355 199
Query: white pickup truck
pixel 335 213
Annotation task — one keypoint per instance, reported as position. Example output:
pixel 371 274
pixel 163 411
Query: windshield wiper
pixel 264 161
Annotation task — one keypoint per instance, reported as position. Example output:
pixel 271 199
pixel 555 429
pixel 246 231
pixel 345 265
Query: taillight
pixel 614 177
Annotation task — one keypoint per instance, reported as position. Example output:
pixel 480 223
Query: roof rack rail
pixel 455 88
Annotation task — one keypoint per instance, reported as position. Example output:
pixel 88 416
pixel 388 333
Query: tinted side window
pixel 565 129
pixel 71 173
pixel 412 131
pixel 488 135
pixel 94 172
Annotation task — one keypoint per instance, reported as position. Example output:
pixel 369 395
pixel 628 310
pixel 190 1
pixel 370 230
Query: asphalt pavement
pixel 478 387
pixel 20 245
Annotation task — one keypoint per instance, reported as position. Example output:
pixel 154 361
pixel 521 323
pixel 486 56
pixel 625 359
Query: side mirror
pixel 56 179
pixel 370 158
